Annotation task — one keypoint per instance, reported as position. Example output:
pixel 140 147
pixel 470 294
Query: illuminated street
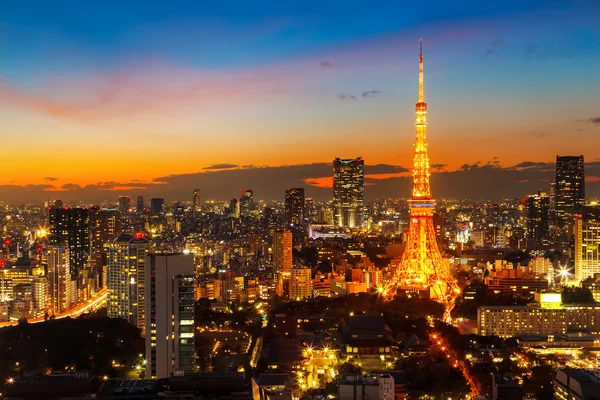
pixel 93 304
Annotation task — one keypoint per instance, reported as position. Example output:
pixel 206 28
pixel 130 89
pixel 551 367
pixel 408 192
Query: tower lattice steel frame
pixel 422 266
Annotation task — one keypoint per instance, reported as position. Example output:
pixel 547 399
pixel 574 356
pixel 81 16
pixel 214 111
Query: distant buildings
pixel 71 226
pixel 126 278
pixel 196 201
pixel 124 204
pixel 294 207
pixel 157 205
pixel 169 303
pixel 282 250
pixel 538 220
pixel 140 204
pixel 246 202
pixel 569 195
pixel 348 192
pixel 105 225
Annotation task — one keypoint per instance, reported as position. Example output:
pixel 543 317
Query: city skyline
pixel 244 87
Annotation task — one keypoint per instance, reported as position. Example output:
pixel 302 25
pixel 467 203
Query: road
pixel 92 304
pixel 454 361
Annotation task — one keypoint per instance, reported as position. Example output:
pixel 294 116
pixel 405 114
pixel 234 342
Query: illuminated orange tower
pixel 422 266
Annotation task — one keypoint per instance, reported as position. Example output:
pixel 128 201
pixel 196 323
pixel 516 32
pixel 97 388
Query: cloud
pixel 494 48
pixel 71 186
pixel 538 134
pixel 530 164
pixel 533 51
pixel 50 179
pixel 438 167
pixel 371 93
pixel 346 96
pixel 595 120
pixel 221 166
pixel 326 64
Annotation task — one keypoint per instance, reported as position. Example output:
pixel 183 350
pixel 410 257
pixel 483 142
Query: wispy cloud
pixel 50 179
pixel 494 49
pixel 370 93
pixel 595 120
pixel 325 64
pixel 221 166
pixel 346 96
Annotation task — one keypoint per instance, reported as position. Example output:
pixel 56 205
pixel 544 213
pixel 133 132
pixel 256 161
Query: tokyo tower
pixel 422 266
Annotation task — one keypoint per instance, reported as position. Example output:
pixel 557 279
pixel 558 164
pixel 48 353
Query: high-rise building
pixel 41 297
pixel 140 204
pixel 569 188
pixel 246 202
pixel 71 226
pixel 124 204
pixel 126 278
pixel 169 294
pixel 538 220
pixel 587 251
pixel 282 250
pixel 232 210
pixel 348 192
pixel 105 225
pixel 422 267
pixel 157 205
pixel 197 203
pixel 294 207
pixel 59 278
pixel 300 284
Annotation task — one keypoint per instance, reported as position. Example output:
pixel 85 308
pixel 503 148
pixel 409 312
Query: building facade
pixel 294 207
pixel 71 226
pixel 511 321
pixel 538 220
pixel 300 284
pixel 59 278
pixel 587 248
pixel 348 192
pixel 282 250
pixel 169 296
pixel 569 195
pixel 126 257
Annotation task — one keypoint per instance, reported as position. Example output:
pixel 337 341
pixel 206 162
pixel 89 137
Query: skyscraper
pixel 105 225
pixel 140 204
pixel 71 226
pixel 157 205
pixel 59 278
pixel 537 220
pixel 124 204
pixel 282 250
pixel 169 294
pixel 232 210
pixel 587 249
pixel 569 199
pixel 294 207
pixel 348 192
pixel 246 202
pixel 422 267
pixel 125 281
pixel 196 203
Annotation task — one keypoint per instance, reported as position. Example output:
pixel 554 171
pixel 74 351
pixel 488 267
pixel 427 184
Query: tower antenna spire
pixel 421 95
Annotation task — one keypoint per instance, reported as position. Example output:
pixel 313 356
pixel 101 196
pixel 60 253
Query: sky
pixel 157 98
